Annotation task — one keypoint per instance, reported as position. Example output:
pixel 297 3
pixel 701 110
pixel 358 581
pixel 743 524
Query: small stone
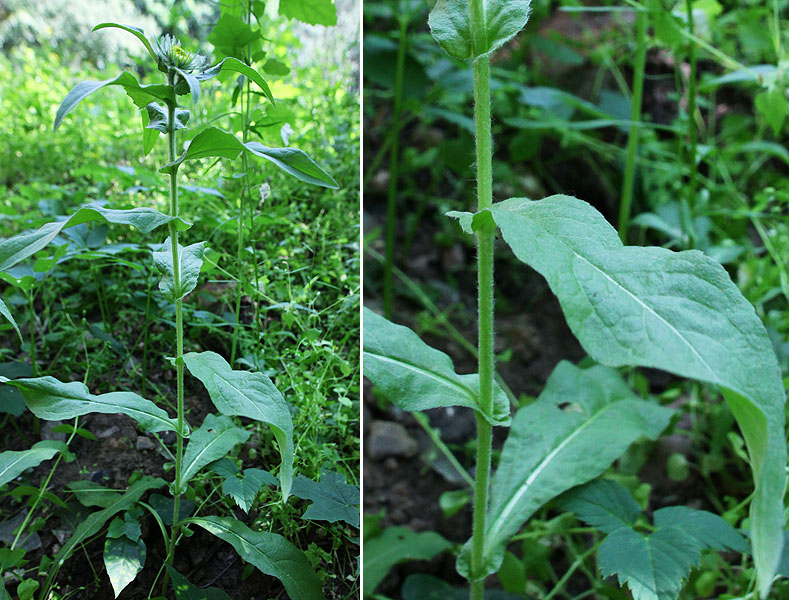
pixel 144 443
pixel 48 434
pixel 109 432
pixel 390 439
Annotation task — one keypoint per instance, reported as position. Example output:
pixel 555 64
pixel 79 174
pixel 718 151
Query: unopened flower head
pixel 170 54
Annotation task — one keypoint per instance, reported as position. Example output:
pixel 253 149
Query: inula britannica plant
pixel 234 393
pixel 628 306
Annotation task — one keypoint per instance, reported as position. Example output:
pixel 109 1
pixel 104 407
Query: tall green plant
pixel 628 306
pixel 233 393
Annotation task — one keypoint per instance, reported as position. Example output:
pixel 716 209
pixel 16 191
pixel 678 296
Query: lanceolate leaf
pixel 235 65
pixel 135 31
pixel 214 439
pixel 450 25
pixel 7 314
pixel 141 95
pixel 332 498
pixel 123 559
pixel 602 503
pixel 53 400
pixel 414 376
pixel 246 394
pixel 213 142
pixel 91 525
pixel 272 554
pixel 190 262
pixel 550 450
pixel 22 246
pixel 676 311
pixel 13 463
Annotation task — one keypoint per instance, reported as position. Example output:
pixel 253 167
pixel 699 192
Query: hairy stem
pixel 635 117
pixel 485 242
pixel 394 168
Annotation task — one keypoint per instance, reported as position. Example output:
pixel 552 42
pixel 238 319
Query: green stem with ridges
pixel 691 198
pixel 485 243
pixel 635 117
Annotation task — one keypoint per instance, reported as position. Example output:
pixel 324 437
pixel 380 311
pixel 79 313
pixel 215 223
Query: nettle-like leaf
pixel 14 462
pixel 332 498
pixel 124 559
pixel 53 400
pixel 394 545
pixel 450 25
pixel 602 503
pixel 247 394
pixel 213 142
pixel 312 12
pixel 414 376
pixel 141 95
pixel 190 261
pixel 18 248
pixel 676 311
pixel 272 554
pixel 570 447
pixel 242 489
pixel 217 436
pixel 158 117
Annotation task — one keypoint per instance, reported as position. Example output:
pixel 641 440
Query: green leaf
pixel 91 525
pixel 653 566
pixel 772 105
pixel 414 376
pixel 213 142
pixel 450 25
pixel 135 31
pixel 232 32
pixel 7 314
pixel 123 559
pixel 312 12
pixel 149 136
pixel 276 67
pixel 14 462
pixel 3 593
pixel 676 311
pixel 243 489
pixel 158 117
pixel 53 400
pixel 141 95
pixel 190 262
pixel 185 590
pixel 192 84
pixel 568 448
pixel 165 508
pixel 22 246
pixel 89 493
pixel 394 545
pixel 272 554
pixel 214 439
pixel 332 498
pixel 236 66
pixel 602 503
pixel 709 529
pixel 128 526
pixel 246 394
pixel 26 589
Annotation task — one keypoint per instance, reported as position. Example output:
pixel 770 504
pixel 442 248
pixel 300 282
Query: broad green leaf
pixel 653 566
pixel 213 142
pixel 26 589
pixel 91 525
pixel 245 489
pixel 7 314
pixel 89 493
pixel 312 12
pixel 3 593
pixel 236 66
pixel 192 84
pixel 190 262
pixel 53 400
pixel 676 311
pixel 123 559
pixel 332 498
pixel 568 448
pixel 772 105
pixel 450 25
pixel 135 31
pixel 165 508
pixel 272 554
pixel 414 376
pixel 14 462
pixel 602 503
pixel 709 529
pixel 22 246
pixel 246 394
pixel 158 117
pixel 128 526
pixel 141 95
pixel 185 590
pixel 217 436
pixel 231 32
pixel 394 545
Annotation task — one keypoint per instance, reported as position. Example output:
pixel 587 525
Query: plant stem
pixel 688 208
pixel 179 332
pixel 635 117
pixel 485 243
pixel 32 318
pixel 394 167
